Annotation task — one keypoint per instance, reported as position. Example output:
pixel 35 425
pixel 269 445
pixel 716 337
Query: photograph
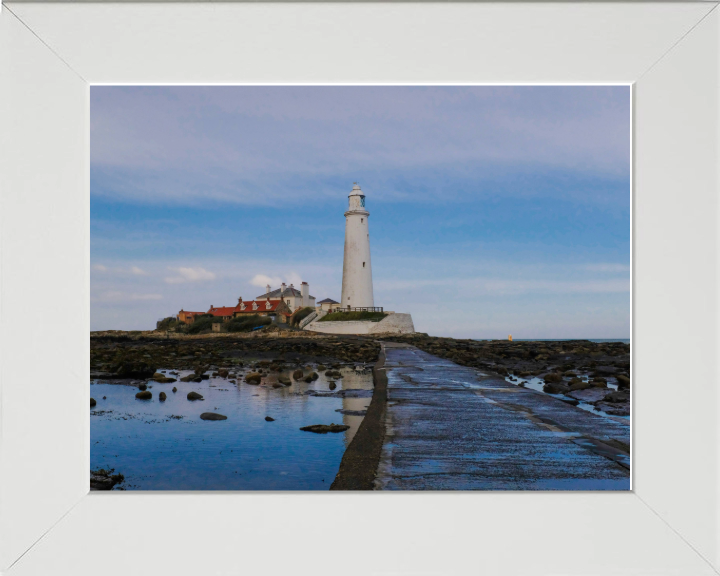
pixel 360 287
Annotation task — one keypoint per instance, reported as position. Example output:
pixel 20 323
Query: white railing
pixel 309 318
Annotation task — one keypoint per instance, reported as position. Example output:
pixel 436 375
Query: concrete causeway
pixel 449 427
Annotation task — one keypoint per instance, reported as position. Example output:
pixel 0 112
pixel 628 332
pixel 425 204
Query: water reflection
pixel 166 446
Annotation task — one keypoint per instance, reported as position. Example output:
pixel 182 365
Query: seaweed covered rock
pixel 194 396
pixel 253 378
pixel 212 416
pixel 324 428
pixel 144 395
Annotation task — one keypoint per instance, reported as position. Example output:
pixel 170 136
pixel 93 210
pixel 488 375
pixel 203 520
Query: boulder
pixel 332 385
pixel 142 386
pixel 590 395
pixel 253 378
pixel 92 402
pixel 269 419
pixel 552 377
pixel 571 401
pixel 158 375
pixel 617 397
pixel 223 373
pixel 194 396
pixel 552 388
pixel 144 395
pixel 284 380
pixel 579 385
pixel 174 389
pixel 162 397
pixel 623 381
pixel 188 378
pixel 298 374
pixel 212 416
pixel 324 428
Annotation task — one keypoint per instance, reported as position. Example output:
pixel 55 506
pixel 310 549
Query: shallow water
pixel 535 383
pixel 166 446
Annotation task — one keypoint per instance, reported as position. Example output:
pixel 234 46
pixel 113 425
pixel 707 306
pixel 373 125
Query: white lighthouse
pixel 357 287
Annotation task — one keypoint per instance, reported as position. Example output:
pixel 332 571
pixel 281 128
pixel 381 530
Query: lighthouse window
pixel 363 264
pixel 362 220
pixel 362 201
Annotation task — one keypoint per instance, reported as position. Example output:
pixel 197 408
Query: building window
pixel 363 264
pixel 362 220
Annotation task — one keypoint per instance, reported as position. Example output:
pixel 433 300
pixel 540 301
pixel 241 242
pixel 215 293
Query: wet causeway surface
pixel 451 427
pixel 166 446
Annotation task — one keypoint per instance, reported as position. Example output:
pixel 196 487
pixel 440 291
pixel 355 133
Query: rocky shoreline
pixel 574 371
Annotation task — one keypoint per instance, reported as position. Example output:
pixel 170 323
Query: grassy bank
pixel 348 316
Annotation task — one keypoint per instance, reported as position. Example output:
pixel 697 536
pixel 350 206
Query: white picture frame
pixel 50 53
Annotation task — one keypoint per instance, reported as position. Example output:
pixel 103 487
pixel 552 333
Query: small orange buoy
pixel 510 337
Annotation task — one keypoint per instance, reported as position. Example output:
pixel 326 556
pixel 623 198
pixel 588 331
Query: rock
pixel 268 419
pixel 174 389
pixel 125 369
pixel 212 416
pixel 194 396
pixel 351 412
pixel 552 388
pixel 552 377
pixel 571 401
pixel 253 378
pixel 205 377
pixel 308 379
pixel 104 397
pixel 623 381
pixel 188 378
pixel 277 385
pixel 314 376
pixel 284 380
pixel 142 386
pixel 92 402
pixel 324 428
pixel 580 385
pixel 591 395
pixel 104 479
pixel 144 395
pixel 297 375
pixel 197 379
pixel 617 397
pixel 162 397
pixel 614 409
pixel 332 385
pixel 223 373
pixel 158 375
pixel 321 367
pixel 606 370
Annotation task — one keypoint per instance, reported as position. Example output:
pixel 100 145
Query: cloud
pixel 181 145
pixel 263 280
pixel 100 268
pixel 138 271
pixel 115 296
pixel 189 275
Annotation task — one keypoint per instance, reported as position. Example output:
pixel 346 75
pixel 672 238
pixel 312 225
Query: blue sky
pixel 493 210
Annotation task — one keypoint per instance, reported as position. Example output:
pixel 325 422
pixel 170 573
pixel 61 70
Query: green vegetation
pixel 347 316
pixel 167 323
pixel 296 318
pixel 201 323
pixel 247 323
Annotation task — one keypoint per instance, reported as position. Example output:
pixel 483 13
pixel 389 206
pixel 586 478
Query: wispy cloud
pixel 185 274
pixel 138 271
pixel 100 268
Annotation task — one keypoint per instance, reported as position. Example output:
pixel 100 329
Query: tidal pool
pixel 166 446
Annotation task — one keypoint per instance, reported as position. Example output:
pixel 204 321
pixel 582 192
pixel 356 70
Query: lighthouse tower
pixel 357 287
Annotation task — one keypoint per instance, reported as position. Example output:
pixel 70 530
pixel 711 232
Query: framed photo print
pixel 454 264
